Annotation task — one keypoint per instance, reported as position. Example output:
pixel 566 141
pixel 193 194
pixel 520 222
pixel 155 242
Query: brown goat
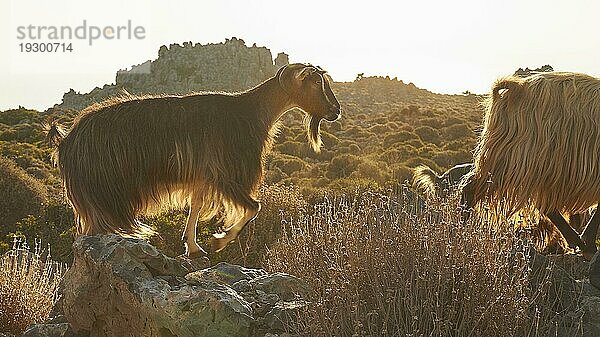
pixel 131 155
pixel 539 145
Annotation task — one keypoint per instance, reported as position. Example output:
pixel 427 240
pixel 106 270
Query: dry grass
pixel 28 287
pixel 378 267
pixel 279 202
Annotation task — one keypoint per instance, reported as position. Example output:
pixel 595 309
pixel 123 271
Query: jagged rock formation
pixel 126 287
pixel 228 66
pixel 528 72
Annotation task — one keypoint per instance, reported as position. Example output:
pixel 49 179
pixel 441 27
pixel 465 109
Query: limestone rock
pixel 125 287
pixel 281 60
pixel 49 330
pixel 287 287
pixel 226 273
pixel 528 72
pixel 228 66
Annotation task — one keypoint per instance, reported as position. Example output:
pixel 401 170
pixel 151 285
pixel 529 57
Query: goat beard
pixel 313 131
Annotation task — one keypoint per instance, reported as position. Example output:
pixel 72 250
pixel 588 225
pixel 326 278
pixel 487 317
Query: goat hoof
pixel 196 254
pixel 588 254
pixel 218 243
pixel 193 250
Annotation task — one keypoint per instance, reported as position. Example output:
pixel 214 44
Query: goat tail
pixel 54 134
pixel 425 179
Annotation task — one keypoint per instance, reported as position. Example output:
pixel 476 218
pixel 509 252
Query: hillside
pixel 387 127
pixel 376 261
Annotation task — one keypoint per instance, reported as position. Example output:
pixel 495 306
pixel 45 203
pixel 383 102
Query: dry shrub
pixel 379 267
pixel 28 287
pixel 280 204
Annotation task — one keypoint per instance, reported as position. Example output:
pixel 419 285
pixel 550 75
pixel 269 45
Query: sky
pixel 443 46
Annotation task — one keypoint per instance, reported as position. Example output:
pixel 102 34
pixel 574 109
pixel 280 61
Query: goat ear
pixel 290 77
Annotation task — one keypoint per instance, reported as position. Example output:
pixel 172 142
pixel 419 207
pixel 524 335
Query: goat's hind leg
pixel 192 248
pixel 220 240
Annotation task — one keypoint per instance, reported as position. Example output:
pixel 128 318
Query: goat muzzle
pixel 334 114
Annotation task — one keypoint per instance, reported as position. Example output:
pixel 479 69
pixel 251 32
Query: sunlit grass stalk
pixel 380 267
pixel 29 283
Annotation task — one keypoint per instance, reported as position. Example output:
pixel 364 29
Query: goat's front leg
pixel 192 248
pixel 566 230
pixel 589 236
pixel 220 240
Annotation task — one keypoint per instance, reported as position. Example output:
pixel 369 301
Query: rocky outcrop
pixel 49 330
pixel 126 287
pixel 180 69
pixel 528 72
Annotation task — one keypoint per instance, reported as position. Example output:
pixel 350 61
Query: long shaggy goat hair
pixel 540 143
pixel 136 154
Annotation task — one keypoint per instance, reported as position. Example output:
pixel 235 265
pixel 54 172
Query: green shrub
pixel 329 140
pixel 398 154
pixel 18 116
pixel 274 175
pixel 380 129
pixel 29 157
pixel 20 194
pixel 374 171
pixel 418 143
pixel 434 123
pixel 399 137
pixel 169 226
pixel 459 157
pixel 287 164
pixel 55 225
pixel 342 166
pixel 457 131
pixel 401 173
pixel 293 148
pixel 414 162
pixel 23 133
pixel 456 145
pixel 428 134
pixel 351 186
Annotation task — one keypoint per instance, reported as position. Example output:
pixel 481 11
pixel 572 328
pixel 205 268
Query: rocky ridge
pixel 180 69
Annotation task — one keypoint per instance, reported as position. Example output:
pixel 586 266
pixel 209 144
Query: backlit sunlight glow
pixel 442 46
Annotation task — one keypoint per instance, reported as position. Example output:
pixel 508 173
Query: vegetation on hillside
pixel 379 263
pixel 387 128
